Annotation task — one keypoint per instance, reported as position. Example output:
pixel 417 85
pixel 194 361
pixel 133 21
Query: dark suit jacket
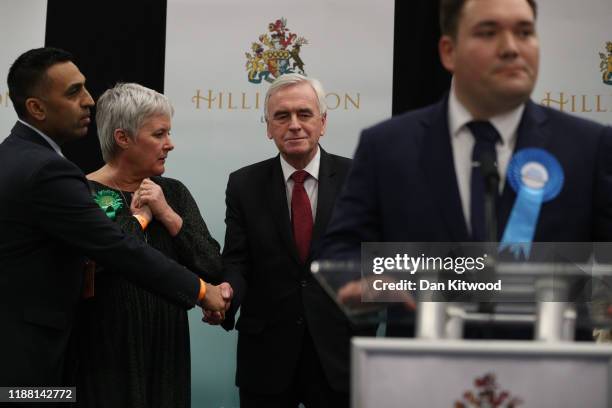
pixel 403 186
pixel 279 297
pixel 48 222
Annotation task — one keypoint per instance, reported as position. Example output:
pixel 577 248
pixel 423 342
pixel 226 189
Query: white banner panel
pixel 398 373
pixel 23 23
pixel 213 46
pixel 576 57
pixel 220 57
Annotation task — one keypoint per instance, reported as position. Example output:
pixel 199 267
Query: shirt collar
pixel 506 124
pixel 51 142
pixel 312 168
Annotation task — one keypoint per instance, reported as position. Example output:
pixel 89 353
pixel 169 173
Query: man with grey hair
pixel 293 342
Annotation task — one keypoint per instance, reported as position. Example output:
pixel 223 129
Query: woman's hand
pixel 142 210
pixel 151 195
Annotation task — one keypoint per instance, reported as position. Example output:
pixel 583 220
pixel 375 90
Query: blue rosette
pixel 537 177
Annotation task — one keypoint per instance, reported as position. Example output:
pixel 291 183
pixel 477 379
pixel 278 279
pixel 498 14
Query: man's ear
pixel 446 49
pixel 36 108
pixel 324 120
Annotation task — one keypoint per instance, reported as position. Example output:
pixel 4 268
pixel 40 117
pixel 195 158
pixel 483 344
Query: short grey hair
pixel 294 79
pixel 126 106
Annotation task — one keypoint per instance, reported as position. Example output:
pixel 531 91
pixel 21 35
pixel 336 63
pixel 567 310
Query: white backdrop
pixel 348 46
pixel 350 49
pixel 22 24
pixel 572 35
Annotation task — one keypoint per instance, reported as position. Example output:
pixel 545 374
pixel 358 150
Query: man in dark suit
pixel 293 342
pixel 416 177
pixel 49 221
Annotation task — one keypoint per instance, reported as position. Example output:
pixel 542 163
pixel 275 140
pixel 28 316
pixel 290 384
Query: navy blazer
pixel 49 222
pixel 403 186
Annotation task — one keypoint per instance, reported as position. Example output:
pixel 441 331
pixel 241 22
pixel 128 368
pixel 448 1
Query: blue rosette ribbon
pixel 537 177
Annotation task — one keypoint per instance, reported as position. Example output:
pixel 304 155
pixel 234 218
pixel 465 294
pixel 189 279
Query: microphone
pixel 488 169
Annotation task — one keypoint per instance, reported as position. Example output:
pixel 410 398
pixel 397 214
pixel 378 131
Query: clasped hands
pixel 149 201
pixel 217 301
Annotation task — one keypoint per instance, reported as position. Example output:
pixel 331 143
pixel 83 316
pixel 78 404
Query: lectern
pixel 556 288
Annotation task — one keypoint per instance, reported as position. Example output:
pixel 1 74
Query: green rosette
pixel 109 201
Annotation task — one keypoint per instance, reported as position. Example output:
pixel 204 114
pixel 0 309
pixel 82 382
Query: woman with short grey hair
pixel 133 345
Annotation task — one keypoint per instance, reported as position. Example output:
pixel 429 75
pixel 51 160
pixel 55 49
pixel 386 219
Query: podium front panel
pixel 404 373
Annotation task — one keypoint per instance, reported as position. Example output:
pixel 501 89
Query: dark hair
pixel 450 11
pixel 28 72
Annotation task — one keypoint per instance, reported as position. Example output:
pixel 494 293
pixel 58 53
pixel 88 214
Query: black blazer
pixel 278 294
pixel 49 222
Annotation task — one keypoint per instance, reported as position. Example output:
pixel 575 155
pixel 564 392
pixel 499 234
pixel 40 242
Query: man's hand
pixel 359 294
pixel 218 298
pixel 216 317
pixel 213 318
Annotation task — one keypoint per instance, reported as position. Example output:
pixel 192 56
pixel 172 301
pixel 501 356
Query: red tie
pixel 301 214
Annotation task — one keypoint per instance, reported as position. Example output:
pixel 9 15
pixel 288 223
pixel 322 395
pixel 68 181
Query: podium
pixel 558 288
pixel 400 373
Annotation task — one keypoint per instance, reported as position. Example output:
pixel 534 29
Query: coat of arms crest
pixel 606 64
pixel 276 53
pixel 487 395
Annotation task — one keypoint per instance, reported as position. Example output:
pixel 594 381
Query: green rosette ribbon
pixel 109 201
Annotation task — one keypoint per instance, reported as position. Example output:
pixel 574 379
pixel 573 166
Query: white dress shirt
pixel 462 143
pixel 311 184
pixel 54 145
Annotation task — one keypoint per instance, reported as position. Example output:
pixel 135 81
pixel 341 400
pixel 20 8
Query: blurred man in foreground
pixel 418 177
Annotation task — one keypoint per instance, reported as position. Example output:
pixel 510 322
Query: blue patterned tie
pixel 485 137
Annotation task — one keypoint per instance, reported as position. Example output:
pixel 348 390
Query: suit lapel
pixel 439 167
pixel 531 132
pixel 280 210
pixel 328 187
